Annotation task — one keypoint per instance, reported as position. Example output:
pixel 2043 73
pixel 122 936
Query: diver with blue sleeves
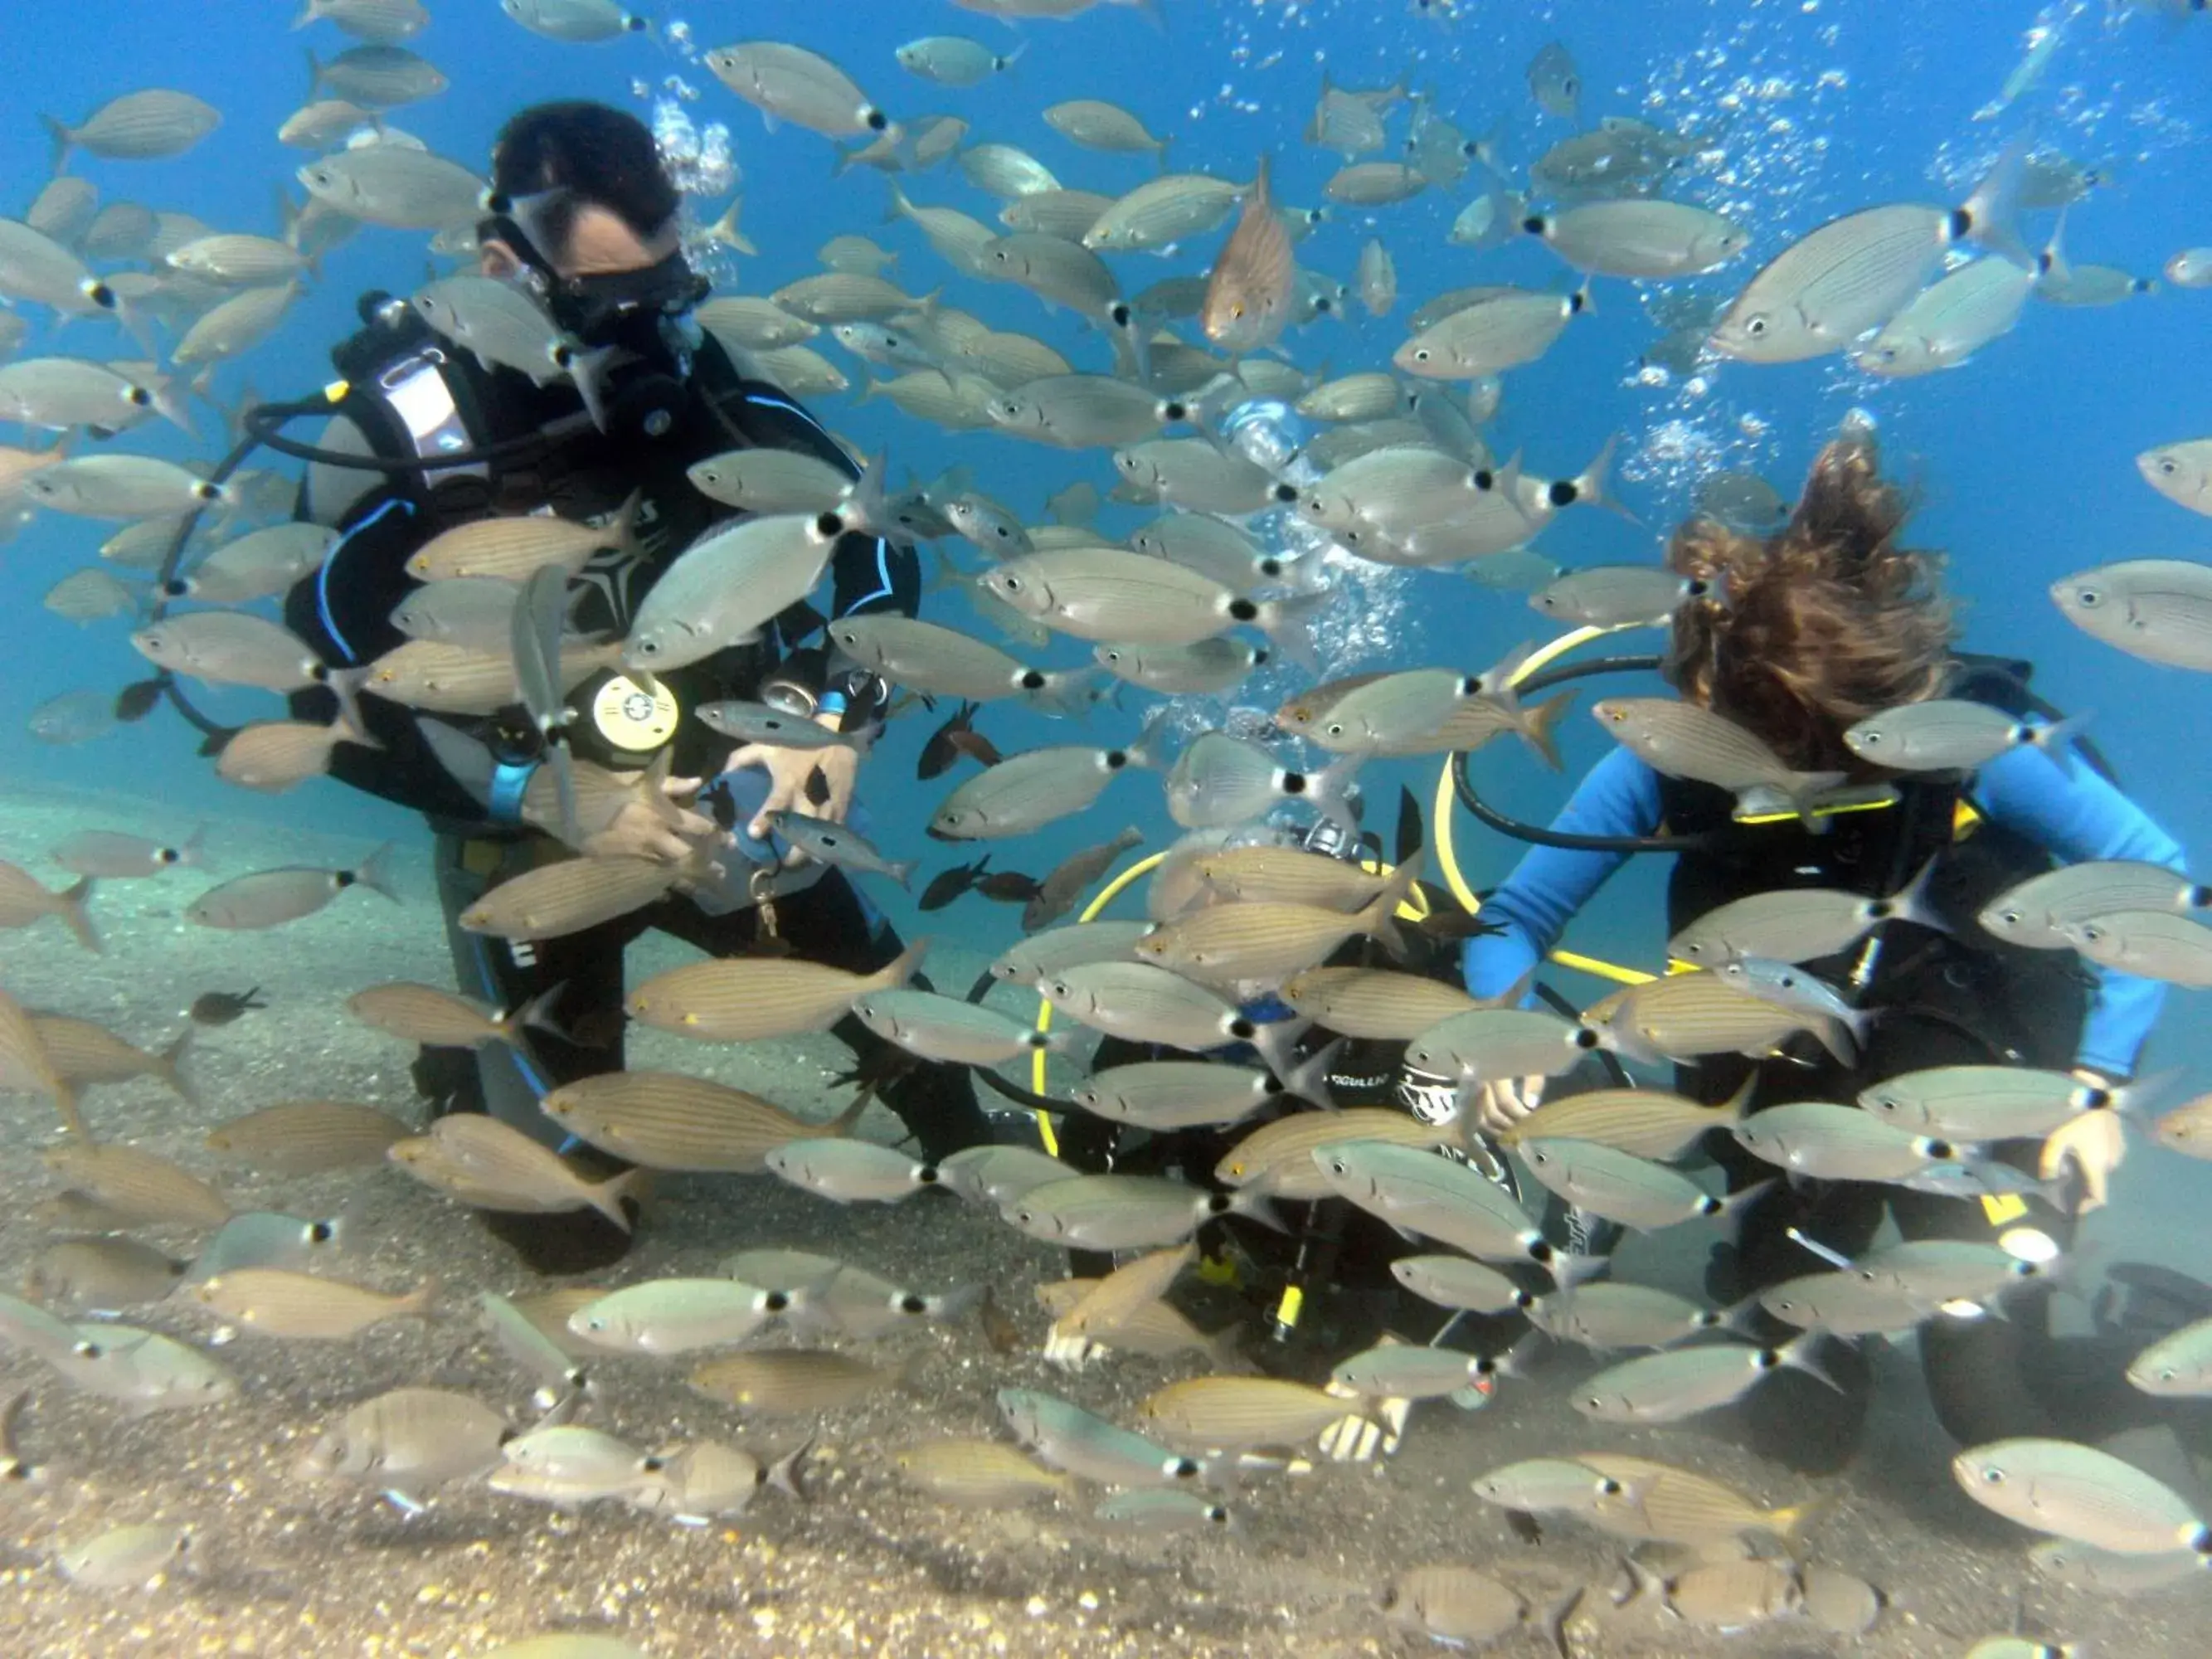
pixel 1806 633
pixel 426 439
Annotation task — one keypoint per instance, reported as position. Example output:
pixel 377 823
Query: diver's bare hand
pixel 1498 1106
pixel 2095 1143
pixel 637 831
pixel 788 770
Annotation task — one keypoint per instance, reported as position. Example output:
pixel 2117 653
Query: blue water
pixel 2023 460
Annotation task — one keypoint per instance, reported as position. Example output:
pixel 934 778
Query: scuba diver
pixel 586 217
pixel 1796 637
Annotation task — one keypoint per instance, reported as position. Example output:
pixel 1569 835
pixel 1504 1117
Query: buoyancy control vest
pixel 521 448
pixel 1943 997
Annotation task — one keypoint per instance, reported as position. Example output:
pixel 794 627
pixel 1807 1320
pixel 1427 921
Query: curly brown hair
pixel 1813 630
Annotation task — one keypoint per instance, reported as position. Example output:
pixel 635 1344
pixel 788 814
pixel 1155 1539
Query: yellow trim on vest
pixel 1965 819
pixel 2001 1207
pixel 1792 817
pixel 1293 1304
pixel 336 391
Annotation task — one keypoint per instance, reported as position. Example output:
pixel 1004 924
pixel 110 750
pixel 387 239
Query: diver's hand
pixel 788 769
pixel 2097 1142
pixel 1498 1106
pixel 638 831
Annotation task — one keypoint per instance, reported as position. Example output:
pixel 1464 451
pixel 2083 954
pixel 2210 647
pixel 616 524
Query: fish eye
pixel 1755 326
pixel 1011 584
pixel 2087 598
pixel 1993 1477
pixel 1422 355
pixel 2168 466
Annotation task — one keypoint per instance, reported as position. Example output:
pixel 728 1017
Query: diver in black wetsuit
pixel 588 222
pixel 1822 625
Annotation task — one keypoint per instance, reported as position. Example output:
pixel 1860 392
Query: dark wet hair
pixel 1817 627
pixel 600 154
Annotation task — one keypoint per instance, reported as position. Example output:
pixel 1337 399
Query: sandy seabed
pixel 867 1565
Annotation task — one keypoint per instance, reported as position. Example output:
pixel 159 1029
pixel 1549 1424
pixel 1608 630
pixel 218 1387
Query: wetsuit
pixel 411 397
pixel 1961 999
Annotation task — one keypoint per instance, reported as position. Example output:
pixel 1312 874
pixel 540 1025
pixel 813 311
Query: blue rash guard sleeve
pixel 2077 816
pixel 1619 796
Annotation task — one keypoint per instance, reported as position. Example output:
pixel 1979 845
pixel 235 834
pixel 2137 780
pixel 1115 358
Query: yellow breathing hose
pixel 1447 862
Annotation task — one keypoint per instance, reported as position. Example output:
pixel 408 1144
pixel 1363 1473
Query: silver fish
pixel 2032 912
pixel 1554 82
pixel 2159 610
pixel 395 186
pixel 790 84
pixel 1680 1383
pixel 503 327
pixel 2080 1492
pixel 1031 790
pixel 578 22
pixel 1220 780
pixel 1945 734
pixel 269 898
pixel 827 842
pixel 725 587
pixel 1852 274
pixel 1125 1212
pixel 139 126
pixel 678 1315
pixel 850 1171
pixel 946 1029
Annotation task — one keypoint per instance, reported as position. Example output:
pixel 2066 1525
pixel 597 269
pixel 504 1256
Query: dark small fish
pixel 1058 892
pixel 136 701
pixel 999 1329
pixel 221 1007
pixel 948 743
pixel 949 884
pixel 1009 887
pixel 977 747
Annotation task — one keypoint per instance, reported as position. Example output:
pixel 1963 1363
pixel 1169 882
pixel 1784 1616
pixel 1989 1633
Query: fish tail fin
pixel 1066 692
pixel 309 11
pixel 1308 1079
pixel 725 230
pixel 1801 1352
pixel 63 140
pixel 1805 788
pixel 65 1103
pixel 1288 624
pixel 901 872
pixel 1912 904
pixel 587 370
pixel 418 1300
pixel 375 873
pixel 193 853
pixel 1790 1525
pixel 1379 919
pixel 537 1015
pixel 170 1066
pixel 1732 1209
pixel 788 1473
pixel 2057 740
pixel 1568 1270
pixel 72 904
pixel 897 972
pixel 346 727
pixel 314 74
pixel 841 1127
pixel 1276 1040
pixel 606 1196
pixel 1540 728
pixel 345 684
pixel 1991 214
pixel 1591 488
pixel 900 207
pixel 1330 789
pixel 1143 751
pixel 1733 1110
pixel 169 404
pixel 957 1303
pixel 1255 1205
